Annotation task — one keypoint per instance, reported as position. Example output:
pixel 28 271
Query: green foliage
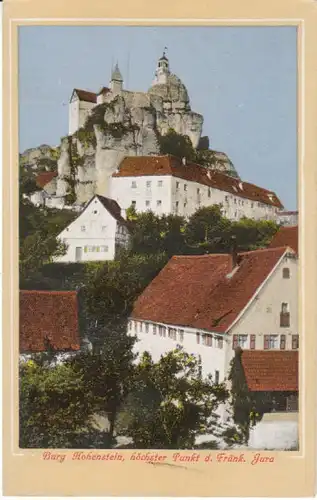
pixel 241 398
pixel 206 231
pixel 38 229
pixel 177 145
pixel 170 404
pixel 111 292
pixel 154 234
pixel 54 408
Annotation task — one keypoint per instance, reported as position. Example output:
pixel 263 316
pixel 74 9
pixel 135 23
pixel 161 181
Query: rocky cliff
pixel 86 160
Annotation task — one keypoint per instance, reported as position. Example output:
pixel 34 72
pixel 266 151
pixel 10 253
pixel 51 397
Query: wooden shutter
pixel 282 342
pixel 252 341
pixel 235 342
pixel 266 341
pixel 294 341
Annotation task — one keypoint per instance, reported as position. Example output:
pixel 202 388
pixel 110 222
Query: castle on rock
pixel 167 95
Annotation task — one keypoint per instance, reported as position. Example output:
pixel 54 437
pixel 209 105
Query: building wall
pixel 212 357
pixel 78 112
pixel 148 192
pixel 183 197
pixel 276 431
pixel 73 120
pixel 263 315
pixel 96 233
pixel 287 218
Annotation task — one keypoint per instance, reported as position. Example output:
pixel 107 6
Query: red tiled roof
pixel 47 315
pixel 44 178
pixel 286 236
pixel 104 90
pixel 113 208
pixel 134 166
pixel 85 95
pixel 287 213
pixel 195 291
pixel 271 370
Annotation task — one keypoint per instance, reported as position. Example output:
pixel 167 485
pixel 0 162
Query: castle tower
pixel 162 70
pixel 116 82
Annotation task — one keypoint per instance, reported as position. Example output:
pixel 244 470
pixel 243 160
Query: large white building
pixel 98 233
pixel 211 304
pixel 166 185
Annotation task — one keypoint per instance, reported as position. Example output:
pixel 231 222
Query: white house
pixel 287 218
pixel 166 185
pixel 46 181
pixel 211 304
pixel 97 233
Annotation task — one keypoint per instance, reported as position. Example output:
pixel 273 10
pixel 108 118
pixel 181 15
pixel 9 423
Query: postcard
pixel 159 252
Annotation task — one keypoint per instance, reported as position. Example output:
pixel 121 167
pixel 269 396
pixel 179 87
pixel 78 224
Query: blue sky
pixel 242 79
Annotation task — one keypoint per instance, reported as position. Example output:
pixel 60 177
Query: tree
pixel 241 400
pixel 170 404
pixel 253 234
pixel 54 409
pixel 157 234
pixel 177 145
pixel 207 230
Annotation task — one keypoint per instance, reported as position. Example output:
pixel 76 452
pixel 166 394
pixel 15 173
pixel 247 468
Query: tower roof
pixel 116 74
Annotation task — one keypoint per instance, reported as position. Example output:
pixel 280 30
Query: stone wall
pixel 276 431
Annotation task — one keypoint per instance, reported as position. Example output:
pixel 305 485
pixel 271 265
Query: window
pixel 83 228
pixel 148 184
pixel 252 341
pixel 239 340
pixel 252 205
pixel 104 248
pixel 216 377
pixel 154 329
pixel 85 249
pixel 270 341
pixel 172 333
pixel 185 187
pixel 147 328
pixel 185 204
pixel 198 337
pixel 198 191
pixel 160 183
pixel 104 228
pixel 235 201
pixel 181 335
pixel 286 273
pixel 207 340
pixel 295 341
pixel 133 203
pixel 177 186
pixel 209 192
pixel 284 315
pixel 147 203
pixel 95 212
pixel 133 184
pixel 162 331
pixel 282 341
pixel 141 326
pixel 176 206
pixel 159 203
pixel 136 327
pixel 220 342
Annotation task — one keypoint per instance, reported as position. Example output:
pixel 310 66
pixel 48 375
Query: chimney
pixel 184 160
pixel 234 252
pixel 123 213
